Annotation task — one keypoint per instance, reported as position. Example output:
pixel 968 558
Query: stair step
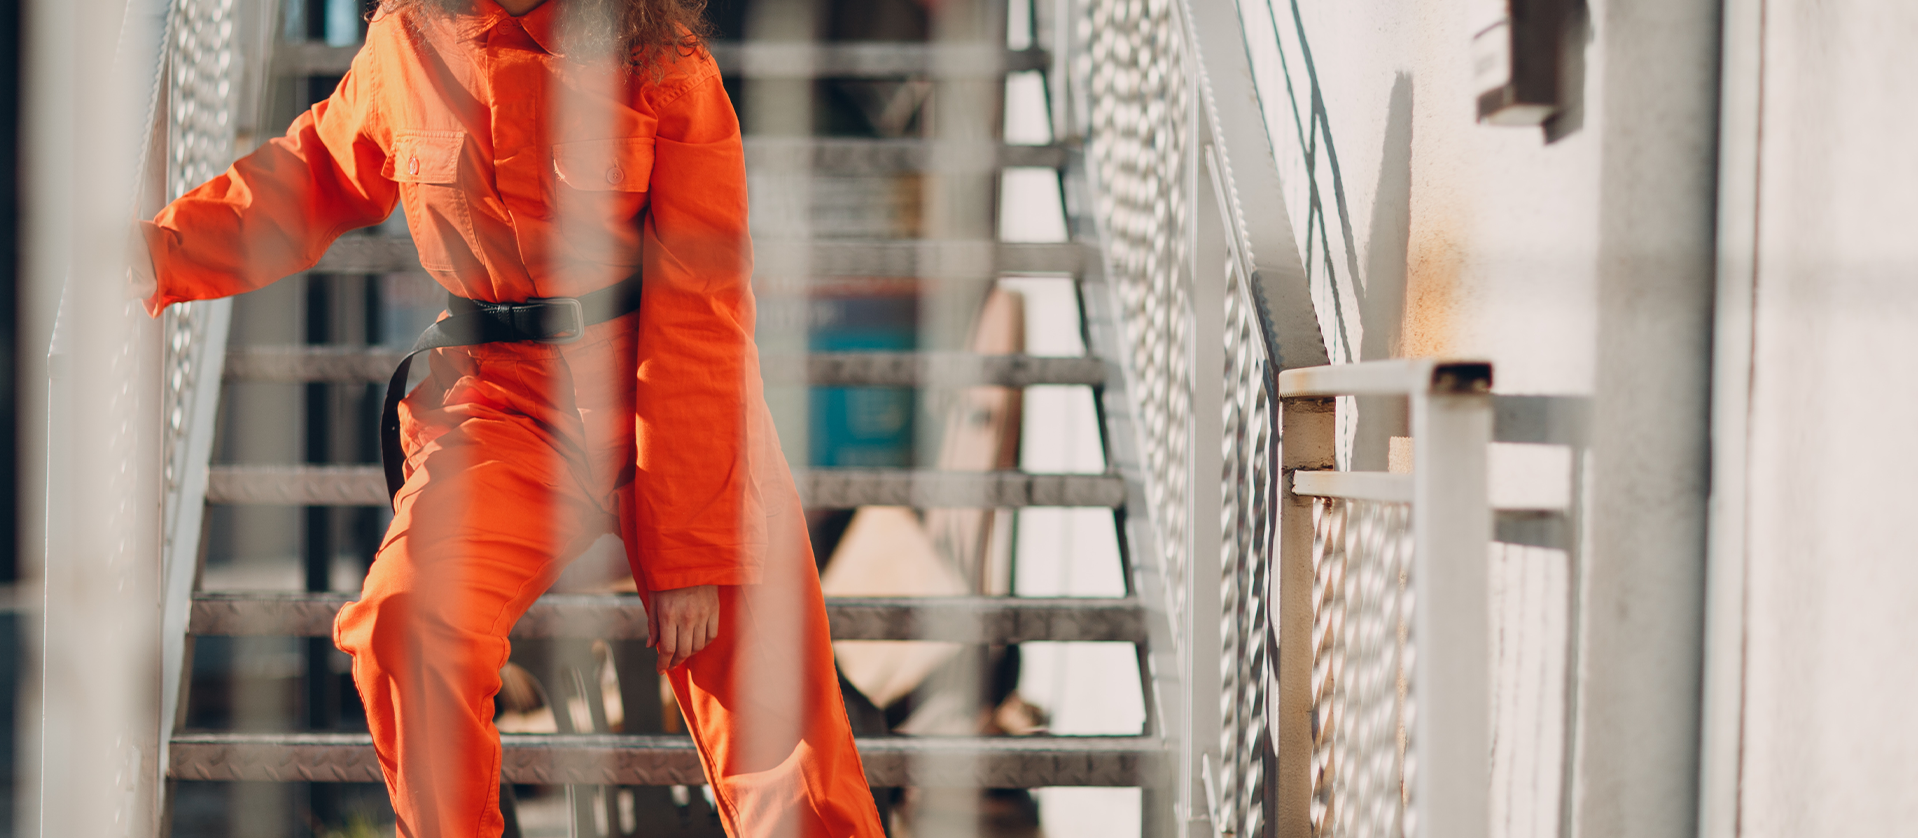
pixel 317 485
pixel 302 485
pixel 873 59
pixel 986 620
pixel 976 260
pixel 338 364
pixel 857 156
pixel 359 365
pixel 935 369
pixel 876 59
pixel 656 760
pixel 849 488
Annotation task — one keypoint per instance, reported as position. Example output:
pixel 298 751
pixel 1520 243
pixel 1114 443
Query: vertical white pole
pixel 1450 746
pixel 91 70
pixel 1204 606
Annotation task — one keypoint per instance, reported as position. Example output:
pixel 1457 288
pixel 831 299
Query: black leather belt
pixel 473 322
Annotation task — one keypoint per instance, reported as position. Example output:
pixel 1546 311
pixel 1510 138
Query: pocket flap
pixel 623 165
pixel 428 156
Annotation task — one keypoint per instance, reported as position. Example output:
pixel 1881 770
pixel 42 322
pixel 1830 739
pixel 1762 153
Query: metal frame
pixel 1203 275
pixel 625 759
pixel 1443 705
pixel 981 261
pixel 835 488
pixel 967 619
pixel 363 365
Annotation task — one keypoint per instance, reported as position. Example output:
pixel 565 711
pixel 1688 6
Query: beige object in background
pixel 982 434
pixel 886 552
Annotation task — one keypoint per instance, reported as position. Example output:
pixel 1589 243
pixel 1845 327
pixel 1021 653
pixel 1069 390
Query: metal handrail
pixel 1387 741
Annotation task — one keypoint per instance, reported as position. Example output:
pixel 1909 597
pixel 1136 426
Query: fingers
pixel 652 623
pixel 698 630
pixel 667 644
pixel 686 647
pixel 682 623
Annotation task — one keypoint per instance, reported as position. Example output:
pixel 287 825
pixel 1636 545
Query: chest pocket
pixel 428 157
pixel 602 186
pixel 426 165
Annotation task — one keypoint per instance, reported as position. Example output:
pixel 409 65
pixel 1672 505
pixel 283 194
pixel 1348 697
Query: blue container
pixel 864 427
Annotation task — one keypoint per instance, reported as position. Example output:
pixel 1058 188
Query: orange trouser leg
pixel 490 514
pixel 481 530
pixel 763 703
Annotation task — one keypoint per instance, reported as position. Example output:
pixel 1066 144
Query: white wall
pixel 1822 286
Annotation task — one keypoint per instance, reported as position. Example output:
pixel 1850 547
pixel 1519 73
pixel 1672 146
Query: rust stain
pixel 1432 292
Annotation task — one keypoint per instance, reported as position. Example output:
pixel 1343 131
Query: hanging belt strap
pixel 472 322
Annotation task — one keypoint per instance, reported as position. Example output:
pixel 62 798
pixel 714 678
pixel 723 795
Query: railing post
pixel 1307 441
pixel 1451 532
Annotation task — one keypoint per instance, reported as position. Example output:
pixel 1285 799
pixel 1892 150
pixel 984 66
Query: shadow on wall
pixel 1382 298
pixel 1571 74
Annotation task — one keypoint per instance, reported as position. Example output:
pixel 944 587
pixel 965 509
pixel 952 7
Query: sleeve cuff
pixel 668 579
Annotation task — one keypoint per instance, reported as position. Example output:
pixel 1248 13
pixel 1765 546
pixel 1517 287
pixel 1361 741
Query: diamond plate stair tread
pixel 351 365
pixel 340 364
pixel 311 485
pixel 989 620
pixel 973 260
pixel 550 759
pixel 849 488
pixel 770 60
pixel 873 59
pixel 943 369
pixel 826 156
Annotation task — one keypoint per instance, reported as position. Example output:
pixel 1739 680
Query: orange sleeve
pixel 699 515
pixel 273 212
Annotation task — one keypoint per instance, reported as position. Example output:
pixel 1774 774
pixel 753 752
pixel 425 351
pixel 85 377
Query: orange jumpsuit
pixel 525 173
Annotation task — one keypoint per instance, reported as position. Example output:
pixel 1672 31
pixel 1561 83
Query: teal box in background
pixel 864 427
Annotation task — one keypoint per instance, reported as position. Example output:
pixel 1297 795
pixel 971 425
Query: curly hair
pixel 648 32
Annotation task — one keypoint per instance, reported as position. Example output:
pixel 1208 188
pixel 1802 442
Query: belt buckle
pixel 574 312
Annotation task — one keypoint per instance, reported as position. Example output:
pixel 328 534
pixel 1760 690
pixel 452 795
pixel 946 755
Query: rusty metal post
pixel 1308 442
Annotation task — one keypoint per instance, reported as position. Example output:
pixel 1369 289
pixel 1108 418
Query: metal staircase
pixel 350 347
pixel 1309 624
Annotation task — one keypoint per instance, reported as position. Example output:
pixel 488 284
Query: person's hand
pixel 141 283
pixel 681 622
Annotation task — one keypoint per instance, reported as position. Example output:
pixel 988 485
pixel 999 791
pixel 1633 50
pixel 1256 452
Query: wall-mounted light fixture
pixel 1516 47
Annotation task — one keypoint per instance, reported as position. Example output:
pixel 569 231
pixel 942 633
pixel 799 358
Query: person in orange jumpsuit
pixel 532 163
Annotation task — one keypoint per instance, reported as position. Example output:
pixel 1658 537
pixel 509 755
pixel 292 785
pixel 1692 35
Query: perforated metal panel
pixel 1245 561
pixel 1138 143
pixel 201 63
pixel 1362 669
pixel 199 100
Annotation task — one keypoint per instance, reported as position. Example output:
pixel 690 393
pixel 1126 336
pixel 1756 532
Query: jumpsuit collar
pixel 542 23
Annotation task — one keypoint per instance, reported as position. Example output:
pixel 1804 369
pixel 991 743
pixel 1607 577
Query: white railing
pixel 1383 617
pixel 1207 308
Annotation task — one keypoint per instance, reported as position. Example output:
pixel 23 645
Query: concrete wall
pixel 1579 260
pixel 1812 728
